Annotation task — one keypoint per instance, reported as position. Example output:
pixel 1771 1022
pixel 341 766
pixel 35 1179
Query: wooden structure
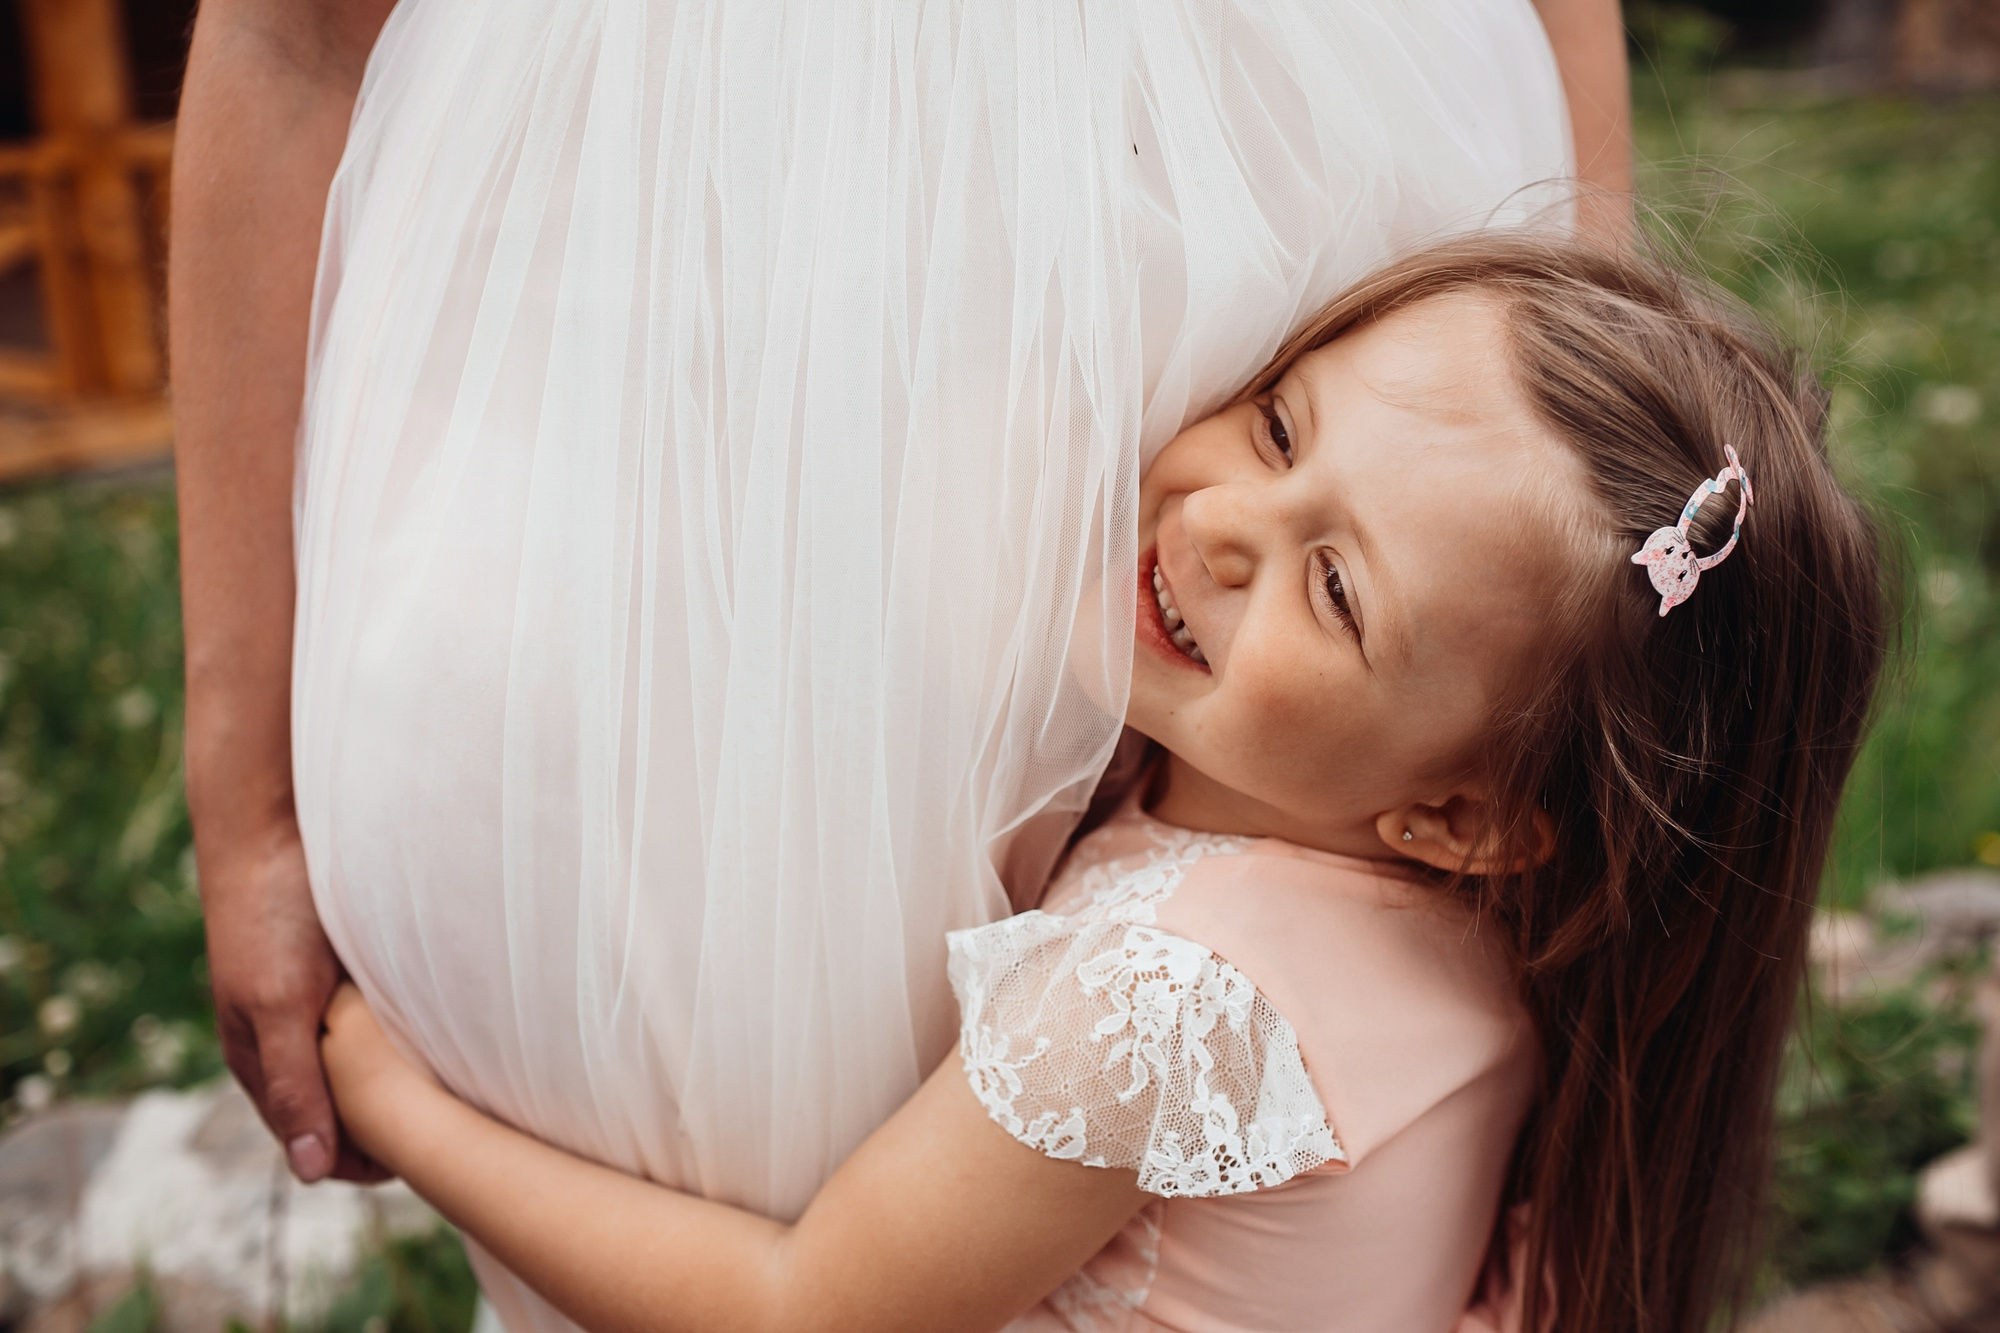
pixel 1932 47
pixel 85 203
pixel 1947 46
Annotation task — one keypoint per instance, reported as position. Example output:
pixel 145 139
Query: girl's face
pixel 1361 561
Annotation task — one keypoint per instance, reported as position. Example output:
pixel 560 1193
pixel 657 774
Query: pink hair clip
pixel 1668 554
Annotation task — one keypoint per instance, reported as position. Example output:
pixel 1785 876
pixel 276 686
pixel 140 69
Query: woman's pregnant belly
pixel 720 418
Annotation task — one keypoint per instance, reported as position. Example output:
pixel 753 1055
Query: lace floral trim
pixel 1120 890
pixel 1099 1039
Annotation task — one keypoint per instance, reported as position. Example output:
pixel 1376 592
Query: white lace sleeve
pixel 1119 1045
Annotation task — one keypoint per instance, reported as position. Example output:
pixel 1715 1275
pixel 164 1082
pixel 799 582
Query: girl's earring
pixel 1409 836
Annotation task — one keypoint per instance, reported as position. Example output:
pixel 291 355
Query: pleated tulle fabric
pixel 724 419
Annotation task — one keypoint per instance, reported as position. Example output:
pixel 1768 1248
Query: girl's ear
pixel 1450 836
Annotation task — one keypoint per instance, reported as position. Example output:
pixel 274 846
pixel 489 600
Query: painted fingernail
pixel 309 1157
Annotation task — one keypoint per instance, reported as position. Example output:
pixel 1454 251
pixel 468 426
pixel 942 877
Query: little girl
pixel 1505 646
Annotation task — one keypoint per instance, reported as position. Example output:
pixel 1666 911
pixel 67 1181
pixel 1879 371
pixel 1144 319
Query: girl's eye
pixel 1336 595
pixel 1274 429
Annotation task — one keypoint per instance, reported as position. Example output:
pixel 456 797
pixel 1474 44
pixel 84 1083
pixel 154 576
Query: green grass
pixel 102 984
pixel 417 1285
pixel 1871 228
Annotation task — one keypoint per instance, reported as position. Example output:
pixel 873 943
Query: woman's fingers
pixel 296 1102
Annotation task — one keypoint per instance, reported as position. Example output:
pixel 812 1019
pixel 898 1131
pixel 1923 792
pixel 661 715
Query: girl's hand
pixel 379 1093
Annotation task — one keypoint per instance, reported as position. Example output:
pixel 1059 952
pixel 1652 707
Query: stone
pixel 1954 1191
pixel 1957 910
pixel 1878 1306
pixel 45 1165
pixel 1910 927
pixel 188 1188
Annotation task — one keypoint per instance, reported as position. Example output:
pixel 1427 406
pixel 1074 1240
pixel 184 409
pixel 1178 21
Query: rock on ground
pixel 189 1188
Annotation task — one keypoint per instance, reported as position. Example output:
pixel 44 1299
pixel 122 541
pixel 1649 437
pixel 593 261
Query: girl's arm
pixel 939 1221
pixel 1589 41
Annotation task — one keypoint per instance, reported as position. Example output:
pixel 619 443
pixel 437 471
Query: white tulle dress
pixel 720 419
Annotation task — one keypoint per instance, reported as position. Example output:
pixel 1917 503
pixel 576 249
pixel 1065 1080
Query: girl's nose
pixel 1226 529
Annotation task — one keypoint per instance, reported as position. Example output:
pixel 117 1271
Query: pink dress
pixel 1320 1068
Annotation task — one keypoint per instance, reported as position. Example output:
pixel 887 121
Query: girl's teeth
pixel 1171 614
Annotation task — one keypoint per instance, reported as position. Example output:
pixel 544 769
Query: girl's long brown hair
pixel 1692 765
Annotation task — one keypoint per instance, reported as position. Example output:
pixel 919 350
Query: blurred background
pixel 1835 161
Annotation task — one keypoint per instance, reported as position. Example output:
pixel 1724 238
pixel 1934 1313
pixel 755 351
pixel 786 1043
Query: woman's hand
pixel 271 971
pixel 380 1094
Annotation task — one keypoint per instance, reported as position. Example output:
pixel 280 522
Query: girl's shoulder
pixel 1400 1000
pixel 1393 997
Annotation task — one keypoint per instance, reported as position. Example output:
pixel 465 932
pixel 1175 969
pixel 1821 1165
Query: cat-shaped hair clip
pixel 1669 555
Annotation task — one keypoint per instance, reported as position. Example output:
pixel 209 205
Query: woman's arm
pixel 270 87
pixel 940 1221
pixel 1589 41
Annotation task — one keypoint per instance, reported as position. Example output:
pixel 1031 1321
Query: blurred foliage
pixel 1869 228
pixel 137 1311
pixel 1768 28
pixel 1873 1091
pixel 415 1285
pixel 102 987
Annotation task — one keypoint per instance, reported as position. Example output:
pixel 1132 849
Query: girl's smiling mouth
pixel 1159 619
